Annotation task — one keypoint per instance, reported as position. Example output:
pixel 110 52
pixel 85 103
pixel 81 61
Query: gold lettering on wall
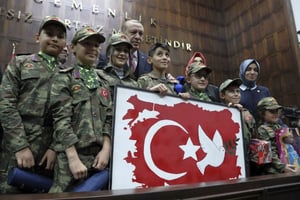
pixel 153 22
pixel 127 18
pixel 95 9
pixel 149 39
pixel 19 16
pixel 111 12
pixel 57 3
pixel 77 5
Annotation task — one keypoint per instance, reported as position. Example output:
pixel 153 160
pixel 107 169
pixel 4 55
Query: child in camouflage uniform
pixel 24 104
pixel 81 106
pixel 158 79
pixel 197 78
pixel 115 71
pixel 230 94
pixel 269 112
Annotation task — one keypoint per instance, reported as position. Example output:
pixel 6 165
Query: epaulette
pixel 103 74
pixel 65 69
pixel 100 72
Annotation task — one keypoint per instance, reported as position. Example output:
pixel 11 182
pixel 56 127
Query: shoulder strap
pixel 64 70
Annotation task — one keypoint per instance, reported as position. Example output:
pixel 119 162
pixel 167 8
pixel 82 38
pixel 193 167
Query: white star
pixel 189 149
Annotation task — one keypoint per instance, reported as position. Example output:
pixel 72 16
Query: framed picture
pixel 165 140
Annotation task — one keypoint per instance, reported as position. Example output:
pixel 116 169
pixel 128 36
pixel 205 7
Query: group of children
pixel 56 117
pixel 69 129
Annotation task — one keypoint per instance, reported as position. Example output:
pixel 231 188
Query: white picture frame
pixel 165 140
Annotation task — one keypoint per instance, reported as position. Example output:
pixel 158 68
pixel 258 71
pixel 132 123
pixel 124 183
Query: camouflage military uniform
pixel 149 80
pixel 199 95
pixel 248 122
pixel 110 76
pixel 195 68
pixel 24 111
pixel 266 131
pixel 81 106
pixel 249 131
pixel 117 75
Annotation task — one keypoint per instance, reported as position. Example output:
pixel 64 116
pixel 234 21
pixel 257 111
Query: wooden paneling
pixel 197 22
pixel 260 30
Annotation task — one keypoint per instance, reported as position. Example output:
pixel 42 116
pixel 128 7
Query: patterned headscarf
pixel 192 59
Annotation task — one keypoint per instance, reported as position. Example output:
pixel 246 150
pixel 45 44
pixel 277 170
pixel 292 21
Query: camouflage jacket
pixel 249 126
pixel 203 96
pixel 24 103
pixel 267 132
pixel 149 80
pixel 112 79
pixel 248 133
pixel 81 116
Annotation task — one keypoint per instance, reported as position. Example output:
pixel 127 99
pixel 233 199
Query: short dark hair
pixel 157 45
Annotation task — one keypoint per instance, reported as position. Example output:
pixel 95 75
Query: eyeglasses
pixel 274 111
pixel 200 75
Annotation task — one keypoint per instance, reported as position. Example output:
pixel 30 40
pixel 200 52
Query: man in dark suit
pixel 138 60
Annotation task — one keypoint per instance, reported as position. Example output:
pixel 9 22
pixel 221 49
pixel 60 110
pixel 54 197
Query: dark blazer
pixel 142 65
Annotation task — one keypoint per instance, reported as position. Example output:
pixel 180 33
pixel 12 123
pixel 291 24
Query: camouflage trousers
pixel 63 178
pixel 38 146
pixel 8 161
pixel 6 164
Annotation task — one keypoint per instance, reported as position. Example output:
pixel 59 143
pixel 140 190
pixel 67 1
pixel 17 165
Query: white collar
pixel 135 54
pixel 244 87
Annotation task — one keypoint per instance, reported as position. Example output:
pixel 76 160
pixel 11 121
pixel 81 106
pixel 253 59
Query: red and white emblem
pixel 177 142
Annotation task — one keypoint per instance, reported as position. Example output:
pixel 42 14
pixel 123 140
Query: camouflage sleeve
pixel 107 127
pixel 143 82
pixel 62 110
pixel 14 133
pixel 108 106
pixel 269 135
pixel 249 123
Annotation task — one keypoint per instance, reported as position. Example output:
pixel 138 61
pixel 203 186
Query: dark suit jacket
pixel 142 65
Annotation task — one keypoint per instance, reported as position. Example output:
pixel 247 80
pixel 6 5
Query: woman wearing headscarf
pixel 251 93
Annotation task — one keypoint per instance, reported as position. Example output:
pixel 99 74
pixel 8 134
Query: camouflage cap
pixel 230 82
pixel 86 32
pixel 52 20
pixel 119 38
pixel 195 67
pixel 268 103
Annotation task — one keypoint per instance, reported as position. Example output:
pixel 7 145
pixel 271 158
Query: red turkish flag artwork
pixel 179 142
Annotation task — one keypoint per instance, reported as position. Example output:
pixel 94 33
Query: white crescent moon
pixel 147 152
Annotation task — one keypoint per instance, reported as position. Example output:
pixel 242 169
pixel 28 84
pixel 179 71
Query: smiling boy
pixel 158 79
pixel 24 105
pixel 81 106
